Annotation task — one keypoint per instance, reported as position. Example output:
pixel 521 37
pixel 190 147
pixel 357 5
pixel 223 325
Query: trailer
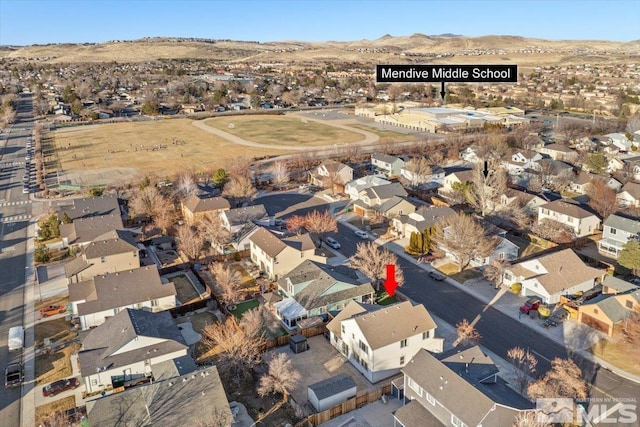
pixel 16 338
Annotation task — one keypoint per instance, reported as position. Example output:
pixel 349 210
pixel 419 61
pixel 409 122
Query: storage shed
pixel 330 392
pixel 298 343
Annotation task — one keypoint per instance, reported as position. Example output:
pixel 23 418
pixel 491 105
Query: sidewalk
pixel 578 347
pixel 27 407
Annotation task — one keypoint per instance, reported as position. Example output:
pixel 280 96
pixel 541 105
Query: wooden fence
pixel 354 403
pixel 284 339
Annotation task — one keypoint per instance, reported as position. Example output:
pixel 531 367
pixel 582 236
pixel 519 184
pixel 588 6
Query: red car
pixel 52 310
pixel 60 386
pixel 532 304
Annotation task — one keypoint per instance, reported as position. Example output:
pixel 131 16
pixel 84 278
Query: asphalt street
pixel 15 211
pixel 499 332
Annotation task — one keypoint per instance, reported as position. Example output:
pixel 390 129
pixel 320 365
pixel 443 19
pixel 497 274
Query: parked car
pixel 332 242
pixel 304 186
pixel 52 310
pixel 558 316
pixel 362 234
pixel 436 275
pixel 13 374
pixel 532 304
pixel 59 386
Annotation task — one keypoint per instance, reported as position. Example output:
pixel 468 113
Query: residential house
pixel 90 206
pixel 460 387
pixel 235 220
pixel 612 285
pixel 581 182
pixel 616 232
pixel 191 399
pixel 457 177
pixel 559 152
pixel 111 252
pixel 570 213
pixel 386 164
pixel 388 200
pixel 127 347
pixel 103 296
pixel 276 257
pixel 433 178
pixel 520 161
pixel 355 187
pixel 532 142
pixel 84 230
pixel 195 207
pixel 620 141
pixel 552 275
pixel 470 154
pixel 417 222
pixel 607 313
pixel 505 249
pixel 629 195
pixel 520 199
pixel 313 289
pixel 553 172
pixel 381 340
pixel 331 175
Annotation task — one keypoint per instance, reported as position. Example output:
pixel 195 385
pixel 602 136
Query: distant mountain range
pixel 416 48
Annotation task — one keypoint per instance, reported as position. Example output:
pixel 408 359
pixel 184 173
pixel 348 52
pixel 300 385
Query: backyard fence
pixel 354 403
pixel 284 339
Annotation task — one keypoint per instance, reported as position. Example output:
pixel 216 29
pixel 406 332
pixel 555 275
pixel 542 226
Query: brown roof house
pixel 460 387
pixel 552 275
pixel 629 195
pixel 187 400
pixel 130 346
pixel 331 175
pixel 111 252
pixel 607 312
pixel 276 256
pixel 313 289
pixel 103 296
pixel 194 208
pixel 380 340
pixel 569 212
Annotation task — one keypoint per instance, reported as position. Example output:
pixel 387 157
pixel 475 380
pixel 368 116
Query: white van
pixel 16 338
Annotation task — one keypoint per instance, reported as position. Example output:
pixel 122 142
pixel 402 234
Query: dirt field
pixel 283 131
pixel 162 147
pixel 44 411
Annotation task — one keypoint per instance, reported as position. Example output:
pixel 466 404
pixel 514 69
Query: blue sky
pixel 25 22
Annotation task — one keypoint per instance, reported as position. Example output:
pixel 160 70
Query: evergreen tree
pixel 630 256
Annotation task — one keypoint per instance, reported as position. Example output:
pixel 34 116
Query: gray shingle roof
pixel 413 414
pixel 320 279
pixel 268 242
pixel 92 206
pixel 121 289
pixel 181 401
pixel 332 386
pixel 245 215
pixel 620 286
pixel 567 207
pixel 386 191
pixel 468 373
pixel 100 348
pixel 111 243
pixel 385 158
pixel 621 223
pixel 83 230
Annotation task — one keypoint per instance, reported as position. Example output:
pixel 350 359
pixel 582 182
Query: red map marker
pixel 390 284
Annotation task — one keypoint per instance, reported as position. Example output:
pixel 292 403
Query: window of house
pixel 135 254
pixel 103 259
pixel 403 343
pixel 456 421
pixel 342 327
pixel 154 303
pixel 501 255
pixel 595 310
pixel 430 398
pixel 363 346
pixel 612 230
pixel 425 335
pixel 322 310
pixel 402 360
pixel 507 276
pixel 628 304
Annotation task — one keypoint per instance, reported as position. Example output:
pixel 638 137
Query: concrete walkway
pixel 579 346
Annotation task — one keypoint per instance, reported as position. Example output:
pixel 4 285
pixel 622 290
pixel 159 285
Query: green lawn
pixel 383 298
pixel 244 306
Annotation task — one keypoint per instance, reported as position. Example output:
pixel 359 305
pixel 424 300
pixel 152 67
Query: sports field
pixel 163 147
pixel 284 130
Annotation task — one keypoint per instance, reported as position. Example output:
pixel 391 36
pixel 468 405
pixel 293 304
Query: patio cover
pixel 290 309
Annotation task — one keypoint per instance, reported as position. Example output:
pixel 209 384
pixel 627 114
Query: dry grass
pixel 57 300
pixel 45 411
pixel 247 280
pixel 202 150
pixel 186 293
pixel 55 366
pixel 619 353
pixel 58 330
pixel 280 130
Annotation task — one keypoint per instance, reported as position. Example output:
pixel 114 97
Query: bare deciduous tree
pixel 419 169
pixel 529 419
pixel 564 379
pixel 494 272
pixel 467 334
pixel 238 352
pixel 633 124
pixel 373 260
pixel 228 282
pixel 259 321
pixel 186 186
pixel 464 238
pixel 217 418
pixel 295 224
pixel 239 167
pixel 281 378
pixel 279 173
pixel 149 201
pixel 320 222
pixel 488 184
pixel 213 231
pixel 553 231
pixel 602 198
pixel 240 189
pixel 190 242
pixel 525 364
pixel 631 328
